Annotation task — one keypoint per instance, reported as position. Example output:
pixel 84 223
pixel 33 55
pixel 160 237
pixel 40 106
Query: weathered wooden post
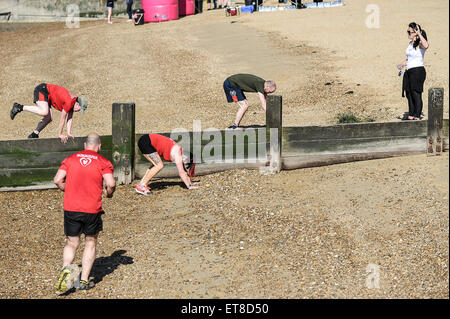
pixel 435 121
pixel 274 131
pixel 123 141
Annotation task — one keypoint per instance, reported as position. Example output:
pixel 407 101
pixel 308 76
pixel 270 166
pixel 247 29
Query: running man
pixel 152 146
pixel 46 95
pixel 235 86
pixel 81 177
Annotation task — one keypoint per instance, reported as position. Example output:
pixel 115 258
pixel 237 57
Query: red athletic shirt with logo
pixel 60 98
pixel 162 145
pixel 84 181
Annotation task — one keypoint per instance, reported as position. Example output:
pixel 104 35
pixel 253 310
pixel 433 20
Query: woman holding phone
pixel 415 74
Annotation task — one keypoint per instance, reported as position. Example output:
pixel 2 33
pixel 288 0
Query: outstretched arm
pixel 183 175
pixel 262 98
pixel 62 121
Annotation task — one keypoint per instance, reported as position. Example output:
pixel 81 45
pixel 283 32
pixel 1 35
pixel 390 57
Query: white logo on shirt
pixel 85 161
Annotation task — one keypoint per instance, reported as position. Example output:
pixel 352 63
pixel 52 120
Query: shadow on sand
pixel 104 266
pixel 406 114
pixel 164 184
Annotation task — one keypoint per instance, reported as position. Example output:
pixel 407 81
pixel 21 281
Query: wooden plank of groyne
pixel 356 130
pixel 362 145
pixel 38 160
pixel 228 143
pixel 227 151
pixel 170 169
pixel 35 161
pixel 26 177
pixel 43 145
pixel 208 136
pixel 315 160
pixel 34 187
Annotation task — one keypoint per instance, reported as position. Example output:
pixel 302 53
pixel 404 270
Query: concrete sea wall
pixel 59 10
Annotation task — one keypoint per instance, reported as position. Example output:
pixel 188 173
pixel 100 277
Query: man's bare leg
pixel 89 253
pixel 151 172
pixel 41 108
pixel 109 15
pixel 243 106
pixel 70 249
pixel 68 273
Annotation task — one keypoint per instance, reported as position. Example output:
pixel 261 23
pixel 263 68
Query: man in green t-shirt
pixel 235 86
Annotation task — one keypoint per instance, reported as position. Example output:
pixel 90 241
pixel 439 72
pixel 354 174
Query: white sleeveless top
pixel 414 56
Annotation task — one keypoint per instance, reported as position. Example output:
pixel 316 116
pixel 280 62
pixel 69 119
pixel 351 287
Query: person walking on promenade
pixel 129 9
pixel 110 7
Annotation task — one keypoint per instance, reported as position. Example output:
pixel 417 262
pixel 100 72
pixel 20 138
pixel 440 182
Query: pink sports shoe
pixel 144 190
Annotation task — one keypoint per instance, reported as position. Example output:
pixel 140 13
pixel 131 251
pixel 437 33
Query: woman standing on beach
pixel 415 74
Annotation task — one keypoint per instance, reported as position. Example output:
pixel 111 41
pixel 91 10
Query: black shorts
pixel 145 145
pixel 41 93
pixel 232 93
pixel 110 4
pixel 76 223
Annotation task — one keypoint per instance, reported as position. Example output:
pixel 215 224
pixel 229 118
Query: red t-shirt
pixel 84 181
pixel 60 98
pixel 162 145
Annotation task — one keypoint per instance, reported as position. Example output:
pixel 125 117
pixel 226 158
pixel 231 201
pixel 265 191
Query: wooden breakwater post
pixel 123 142
pixel 274 132
pixel 32 163
pixel 435 121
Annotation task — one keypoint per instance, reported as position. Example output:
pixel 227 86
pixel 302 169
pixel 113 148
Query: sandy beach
pixel 308 233
pixel 174 71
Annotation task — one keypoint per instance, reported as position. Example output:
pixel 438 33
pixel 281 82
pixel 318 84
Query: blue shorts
pixel 231 91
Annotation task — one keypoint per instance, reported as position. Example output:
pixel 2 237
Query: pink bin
pixel 186 7
pixel 160 10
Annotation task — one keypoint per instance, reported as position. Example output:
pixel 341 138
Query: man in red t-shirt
pixel 153 146
pixel 81 177
pixel 46 95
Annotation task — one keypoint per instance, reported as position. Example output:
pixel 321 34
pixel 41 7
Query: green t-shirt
pixel 248 82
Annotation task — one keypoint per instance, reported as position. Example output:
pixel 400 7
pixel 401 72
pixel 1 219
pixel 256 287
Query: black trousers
pixel 415 103
pixel 412 88
pixel 129 6
pixel 198 6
